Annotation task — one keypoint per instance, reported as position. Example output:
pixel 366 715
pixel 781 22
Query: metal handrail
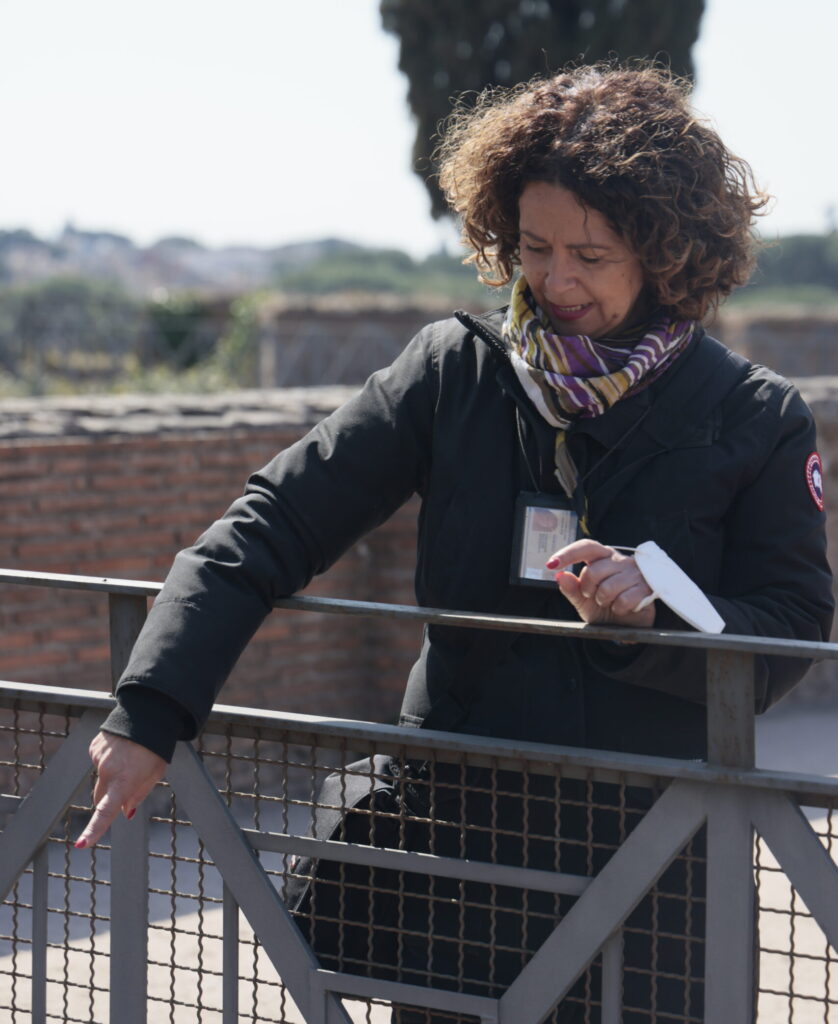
pixel 246 721
pixel 446 617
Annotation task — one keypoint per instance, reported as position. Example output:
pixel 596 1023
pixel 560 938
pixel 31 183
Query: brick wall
pixel 116 486
pixel 128 485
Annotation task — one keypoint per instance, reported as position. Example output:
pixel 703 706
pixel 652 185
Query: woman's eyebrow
pixel 589 245
pixel 572 245
pixel 533 236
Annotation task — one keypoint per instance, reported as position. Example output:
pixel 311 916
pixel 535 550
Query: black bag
pixel 343 909
pixel 472 936
pixel 412 927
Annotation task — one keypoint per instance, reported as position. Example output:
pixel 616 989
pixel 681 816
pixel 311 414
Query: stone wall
pixel 793 342
pixel 305 343
pixel 301 347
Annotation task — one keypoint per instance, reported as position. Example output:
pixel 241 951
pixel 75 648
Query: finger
pixel 131 804
pixel 107 782
pixel 605 581
pixel 99 789
pixel 629 601
pixel 104 779
pixel 569 586
pixel 100 821
pixel 585 550
pixel 98 786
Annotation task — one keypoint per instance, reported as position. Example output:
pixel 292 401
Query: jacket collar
pixel 620 422
pixel 487 327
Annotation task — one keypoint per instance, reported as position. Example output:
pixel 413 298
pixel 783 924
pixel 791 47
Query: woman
pixel 595 402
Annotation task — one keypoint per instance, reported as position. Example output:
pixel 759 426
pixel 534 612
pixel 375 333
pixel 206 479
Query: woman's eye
pixel 589 259
pixel 537 249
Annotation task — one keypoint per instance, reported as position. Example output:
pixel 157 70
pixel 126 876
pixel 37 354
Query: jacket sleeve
pixel 775 580
pixel 297 516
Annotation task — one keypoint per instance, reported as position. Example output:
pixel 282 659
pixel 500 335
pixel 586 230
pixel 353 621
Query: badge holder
pixel 543 524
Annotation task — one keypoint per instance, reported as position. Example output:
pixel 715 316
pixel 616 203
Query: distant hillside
pixel 800 270
pixel 172 264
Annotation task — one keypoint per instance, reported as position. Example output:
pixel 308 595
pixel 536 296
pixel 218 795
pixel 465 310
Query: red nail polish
pixel 131 813
pixel 559 575
pixel 80 844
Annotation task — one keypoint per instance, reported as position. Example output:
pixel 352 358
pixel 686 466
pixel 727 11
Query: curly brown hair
pixel 625 140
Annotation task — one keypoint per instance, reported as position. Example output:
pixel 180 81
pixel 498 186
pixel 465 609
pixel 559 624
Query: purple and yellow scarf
pixel 571 376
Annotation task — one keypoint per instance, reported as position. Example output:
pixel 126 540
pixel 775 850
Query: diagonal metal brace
pixel 801 855
pixel 605 905
pixel 36 816
pixel 252 889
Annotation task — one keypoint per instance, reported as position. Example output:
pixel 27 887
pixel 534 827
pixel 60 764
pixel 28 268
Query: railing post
pixel 729 970
pixel 40 904
pixel 230 963
pixel 129 854
pixel 127 613
pixel 730 709
pixel 129 920
pixel 612 979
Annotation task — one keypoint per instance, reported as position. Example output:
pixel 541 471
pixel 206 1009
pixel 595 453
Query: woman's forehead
pixel 548 208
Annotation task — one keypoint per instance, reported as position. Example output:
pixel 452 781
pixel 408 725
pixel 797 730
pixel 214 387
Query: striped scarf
pixel 573 376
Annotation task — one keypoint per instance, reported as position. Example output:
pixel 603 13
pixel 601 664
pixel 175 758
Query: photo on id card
pixel 543 524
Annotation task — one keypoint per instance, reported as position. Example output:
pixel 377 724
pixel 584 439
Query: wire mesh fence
pixel 510 844
pixel 798 968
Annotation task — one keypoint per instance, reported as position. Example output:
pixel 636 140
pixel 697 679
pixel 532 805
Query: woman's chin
pixel 577 326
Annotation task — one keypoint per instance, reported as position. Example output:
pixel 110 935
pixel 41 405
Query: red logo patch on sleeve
pixel 814 479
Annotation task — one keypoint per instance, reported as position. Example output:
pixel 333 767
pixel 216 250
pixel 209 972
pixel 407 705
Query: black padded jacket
pixel 710 462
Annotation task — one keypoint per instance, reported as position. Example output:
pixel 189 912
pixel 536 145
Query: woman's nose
pixel 560 277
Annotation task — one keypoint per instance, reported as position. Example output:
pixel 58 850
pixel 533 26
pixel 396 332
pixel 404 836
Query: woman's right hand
pixel 610 588
pixel 126 773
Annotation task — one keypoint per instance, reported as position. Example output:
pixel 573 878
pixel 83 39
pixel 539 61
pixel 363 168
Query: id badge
pixel 543 524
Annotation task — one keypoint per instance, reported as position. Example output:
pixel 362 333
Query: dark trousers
pixel 475 937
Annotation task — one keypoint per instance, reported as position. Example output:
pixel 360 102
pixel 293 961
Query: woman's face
pixel 583 276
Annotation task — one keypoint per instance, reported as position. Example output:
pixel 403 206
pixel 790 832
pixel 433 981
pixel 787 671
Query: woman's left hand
pixel 609 587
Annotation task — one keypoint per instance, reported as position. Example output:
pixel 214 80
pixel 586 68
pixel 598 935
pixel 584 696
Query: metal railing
pixel 512 882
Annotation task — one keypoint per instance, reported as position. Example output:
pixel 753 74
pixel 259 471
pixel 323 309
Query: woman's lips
pixel 570 312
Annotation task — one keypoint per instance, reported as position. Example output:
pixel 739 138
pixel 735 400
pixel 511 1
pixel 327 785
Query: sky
pixel 273 121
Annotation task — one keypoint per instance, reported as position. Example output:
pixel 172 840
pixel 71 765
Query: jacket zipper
pixel 471 323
